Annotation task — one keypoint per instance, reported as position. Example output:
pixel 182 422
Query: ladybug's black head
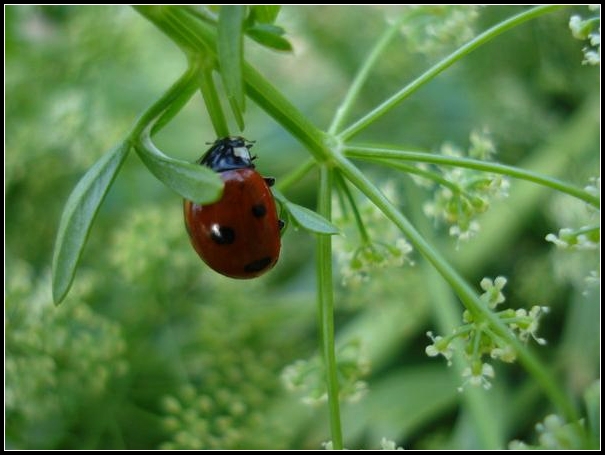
pixel 228 153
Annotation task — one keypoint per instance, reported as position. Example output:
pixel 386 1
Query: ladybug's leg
pixel 270 181
pixel 281 224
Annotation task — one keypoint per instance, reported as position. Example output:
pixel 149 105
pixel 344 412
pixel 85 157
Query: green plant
pixel 457 186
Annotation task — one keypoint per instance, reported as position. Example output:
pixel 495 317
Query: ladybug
pixel 238 236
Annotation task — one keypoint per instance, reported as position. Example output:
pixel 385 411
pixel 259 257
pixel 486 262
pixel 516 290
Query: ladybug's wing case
pixel 237 236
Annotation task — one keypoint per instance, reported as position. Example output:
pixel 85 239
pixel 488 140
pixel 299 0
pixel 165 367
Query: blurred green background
pixel 152 349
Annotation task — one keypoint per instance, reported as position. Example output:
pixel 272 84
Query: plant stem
pixel 469 298
pixel 325 298
pixel 363 233
pixel 345 107
pixel 466 49
pixel 295 175
pixel 183 85
pixel 429 175
pixel 180 24
pixel 372 153
pixel 213 105
pixel 276 105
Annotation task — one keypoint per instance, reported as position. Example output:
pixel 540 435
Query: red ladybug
pixel 238 236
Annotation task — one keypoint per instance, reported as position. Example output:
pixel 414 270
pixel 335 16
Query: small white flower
pixel 576 25
pixel 479 378
pixel 439 347
pixel 470 232
pixel 591 57
pixel 482 146
pixel 528 323
pixel 387 444
pixel 556 240
pixel 328 445
pixel 506 354
pixel 565 239
pixel 493 295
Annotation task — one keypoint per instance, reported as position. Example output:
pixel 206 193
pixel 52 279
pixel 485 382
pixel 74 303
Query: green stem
pixel 466 294
pixel 345 107
pixel 363 233
pixel 295 175
pixel 213 104
pixel 168 19
pixel 278 107
pixel 325 299
pixel 432 72
pixel 372 153
pixel 435 177
pixel 184 27
pixel 171 97
pixel 448 314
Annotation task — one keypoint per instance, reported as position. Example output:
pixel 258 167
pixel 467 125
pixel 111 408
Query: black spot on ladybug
pixel 281 224
pixel 258 265
pixel 259 210
pixel 270 181
pixel 222 235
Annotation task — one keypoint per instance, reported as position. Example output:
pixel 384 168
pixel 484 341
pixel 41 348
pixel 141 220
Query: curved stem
pixel 325 300
pixel 372 153
pixel 345 107
pixel 483 38
pixel 183 85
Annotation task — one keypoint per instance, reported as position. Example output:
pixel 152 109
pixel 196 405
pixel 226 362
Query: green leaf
pixel 78 215
pixel 230 56
pixel 310 220
pixel 213 103
pixel 175 107
pixel 269 36
pixel 192 181
pixel 305 218
pixel 265 14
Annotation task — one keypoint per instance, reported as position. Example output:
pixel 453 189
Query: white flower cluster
pixel 466 193
pixel 479 340
pixel 383 246
pixel 588 30
pixel 307 377
pixel 436 29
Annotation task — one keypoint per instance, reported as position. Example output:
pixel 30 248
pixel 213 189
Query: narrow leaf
pixel 78 215
pixel 175 107
pixel 269 36
pixel 237 113
pixel 213 104
pixel 192 181
pixel 230 56
pixel 310 220
pixel 307 219
pixel 265 14
pixel 268 28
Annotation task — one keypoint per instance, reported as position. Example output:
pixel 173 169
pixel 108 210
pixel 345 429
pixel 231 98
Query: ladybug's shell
pixel 238 236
